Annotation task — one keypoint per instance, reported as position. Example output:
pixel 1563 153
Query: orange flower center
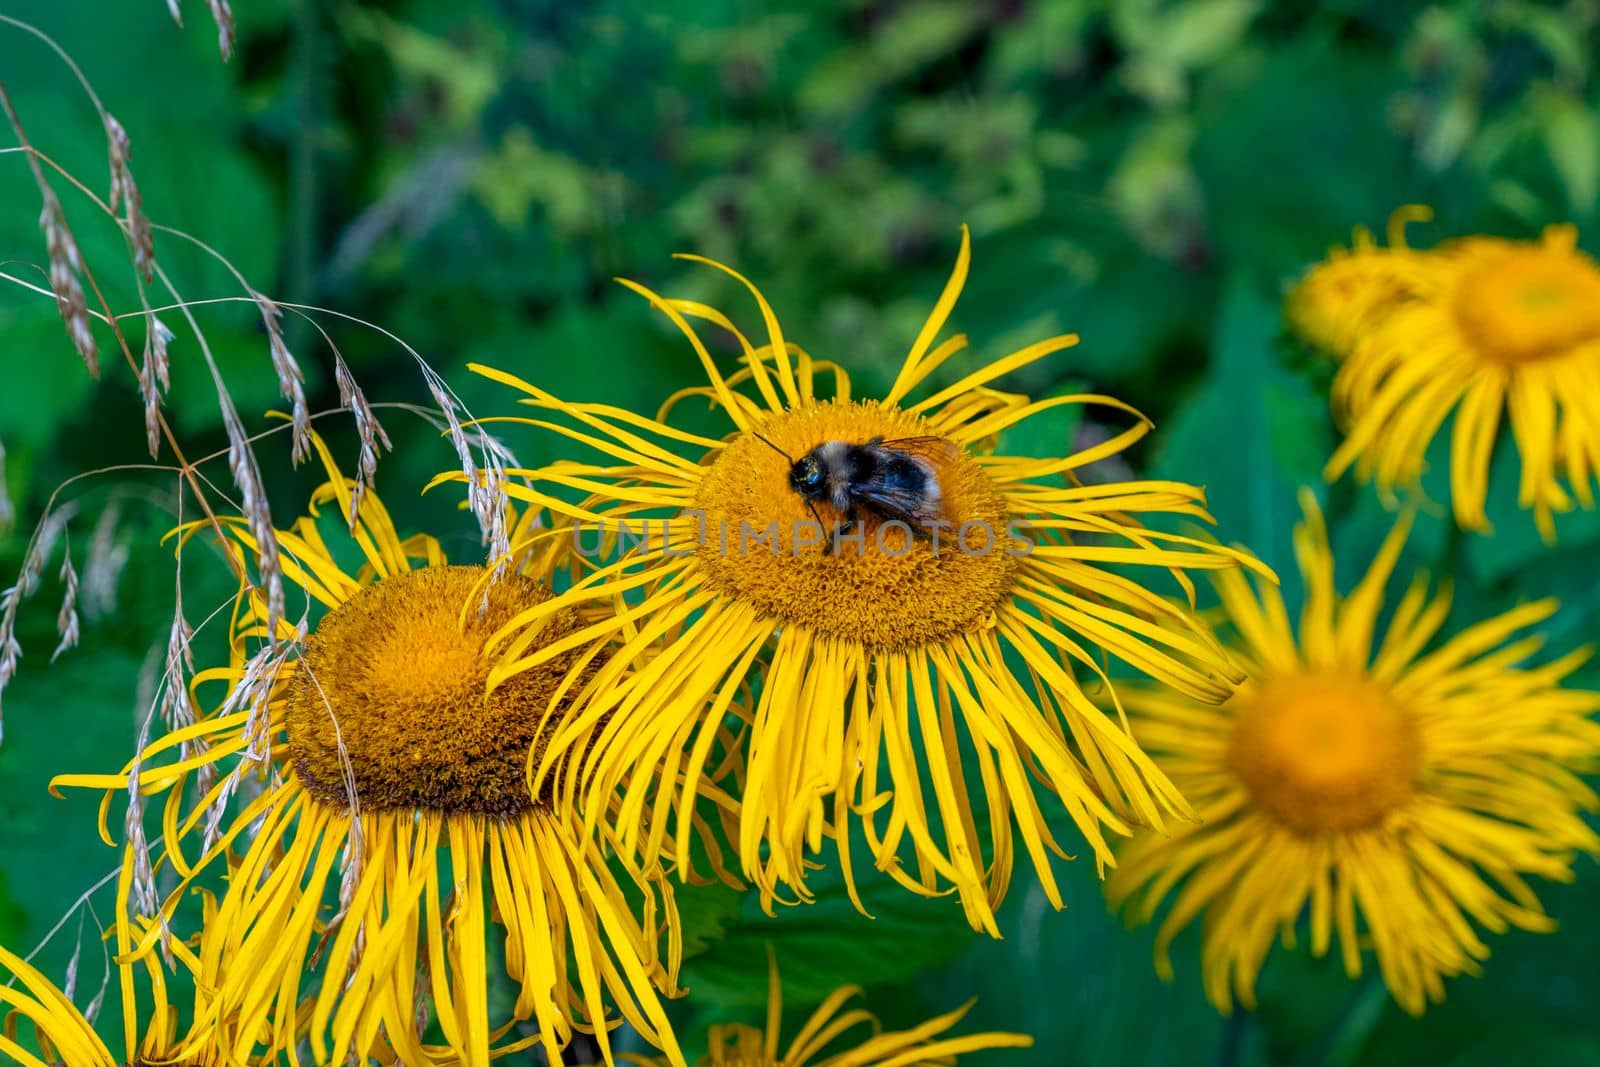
pixel 1530 304
pixel 884 583
pixel 390 695
pixel 1324 753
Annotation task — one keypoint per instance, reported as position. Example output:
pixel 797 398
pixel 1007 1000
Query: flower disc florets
pixel 1325 753
pixel 1530 303
pixel 391 696
pixel 883 584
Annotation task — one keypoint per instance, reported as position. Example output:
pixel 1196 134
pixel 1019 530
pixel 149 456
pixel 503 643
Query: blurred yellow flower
pixel 906 672
pixel 1487 328
pixel 823 1040
pixel 1339 299
pixel 391 761
pixel 1392 796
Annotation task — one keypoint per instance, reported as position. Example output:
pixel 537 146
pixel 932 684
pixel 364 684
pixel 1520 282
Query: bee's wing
pixel 937 449
pixel 918 505
pixel 898 502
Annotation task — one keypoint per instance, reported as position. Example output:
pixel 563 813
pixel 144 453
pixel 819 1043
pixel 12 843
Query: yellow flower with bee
pixel 911 665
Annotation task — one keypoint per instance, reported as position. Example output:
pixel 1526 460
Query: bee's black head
pixel 806 476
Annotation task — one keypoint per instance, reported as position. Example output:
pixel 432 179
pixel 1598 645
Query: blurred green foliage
pixel 470 174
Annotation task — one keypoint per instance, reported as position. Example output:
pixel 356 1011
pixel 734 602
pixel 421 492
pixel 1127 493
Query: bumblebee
pixel 886 479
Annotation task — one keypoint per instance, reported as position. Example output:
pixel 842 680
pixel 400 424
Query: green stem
pixel 1350 1036
pixel 1234 1029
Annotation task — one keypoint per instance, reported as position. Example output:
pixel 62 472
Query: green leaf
pixel 1052 432
pixel 465 78
pixel 922 32
pixel 1560 33
pixel 1532 1003
pixel 1200 32
pixel 1572 139
pixel 1532 1042
pixel 58 382
pixel 704 913
pixel 75 715
pixel 1318 113
pixel 824 945
pixel 1305 1001
pixel 1515 543
pixel 1252 434
pixel 1451 131
pixel 1076 980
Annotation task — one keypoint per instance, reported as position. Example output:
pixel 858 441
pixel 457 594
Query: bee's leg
pixel 847 527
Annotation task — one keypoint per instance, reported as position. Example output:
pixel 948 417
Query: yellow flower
pixel 1342 297
pixel 1488 328
pixel 60 1033
pixel 822 1041
pixel 386 699
pixel 1398 799
pixel 906 673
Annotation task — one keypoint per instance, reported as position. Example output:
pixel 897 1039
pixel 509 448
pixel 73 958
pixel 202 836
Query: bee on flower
pixel 920 647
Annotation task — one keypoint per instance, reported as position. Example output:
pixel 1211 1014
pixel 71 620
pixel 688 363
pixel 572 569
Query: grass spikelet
pixel 10 650
pixel 125 190
pixel 291 382
pixel 108 555
pixel 486 495
pixel 66 270
pixel 253 505
pixel 368 428
pixel 222 15
pixel 40 547
pixel 142 897
pixel 177 711
pixel 67 618
pixel 154 379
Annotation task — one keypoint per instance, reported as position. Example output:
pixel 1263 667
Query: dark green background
pixel 470 174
